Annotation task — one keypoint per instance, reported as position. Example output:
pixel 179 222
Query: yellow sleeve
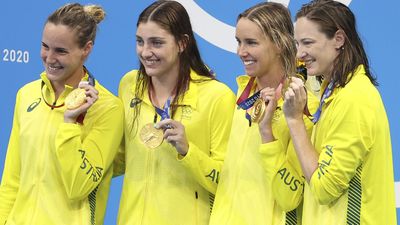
pixel 206 167
pixel 284 175
pixel 343 150
pixel 283 169
pixel 84 161
pixel 11 173
pixel 119 160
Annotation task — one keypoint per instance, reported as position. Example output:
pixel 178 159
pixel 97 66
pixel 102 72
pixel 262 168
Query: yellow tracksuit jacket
pixel 58 173
pixel 259 183
pixel 354 183
pixel 159 187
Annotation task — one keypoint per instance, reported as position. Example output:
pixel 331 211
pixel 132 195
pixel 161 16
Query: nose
pixel 145 51
pixel 241 50
pixel 300 53
pixel 48 56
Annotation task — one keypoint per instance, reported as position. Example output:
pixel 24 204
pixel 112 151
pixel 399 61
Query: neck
pixel 271 80
pixel 161 90
pixel 72 81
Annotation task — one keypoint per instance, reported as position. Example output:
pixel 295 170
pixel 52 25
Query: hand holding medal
pixel 152 135
pixel 295 99
pixel 174 133
pixel 298 81
pixel 79 101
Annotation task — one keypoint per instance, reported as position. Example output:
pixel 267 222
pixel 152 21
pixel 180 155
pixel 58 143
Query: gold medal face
pixel 75 99
pixel 151 136
pixel 257 111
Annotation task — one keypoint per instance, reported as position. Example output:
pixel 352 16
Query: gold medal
pixel 257 111
pixel 75 99
pixel 151 136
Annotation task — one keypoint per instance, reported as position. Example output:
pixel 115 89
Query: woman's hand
pixel 265 125
pixel 71 115
pixel 295 100
pixel 174 133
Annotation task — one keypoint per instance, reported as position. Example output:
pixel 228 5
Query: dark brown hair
pixel 173 17
pixel 332 16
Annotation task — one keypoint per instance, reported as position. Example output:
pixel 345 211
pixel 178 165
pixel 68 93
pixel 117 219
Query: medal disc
pixel 75 99
pixel 257 111
pixel 151 136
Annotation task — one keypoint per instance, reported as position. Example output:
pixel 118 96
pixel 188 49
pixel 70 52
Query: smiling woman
pixel 350 151
pixel 57 165
pixel 177 122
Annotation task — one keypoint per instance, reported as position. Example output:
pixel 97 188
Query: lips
pixel 150 62
pixel 248 62
pixel 53 69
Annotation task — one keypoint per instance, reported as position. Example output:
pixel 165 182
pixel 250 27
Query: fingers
pixel 91 92
pixel 267 94
pixel 166 124
pixel 295 90
pixel 174 133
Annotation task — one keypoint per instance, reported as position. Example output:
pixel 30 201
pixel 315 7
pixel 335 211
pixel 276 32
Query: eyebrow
pixel 247 39
pixel 151 38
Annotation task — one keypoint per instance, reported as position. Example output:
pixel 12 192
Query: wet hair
pixel 331 16
pixel 173 18
pixel 81 19
pixel 275 22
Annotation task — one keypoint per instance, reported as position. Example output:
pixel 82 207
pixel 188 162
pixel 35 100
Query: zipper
pixel 148 180
pixel 196 207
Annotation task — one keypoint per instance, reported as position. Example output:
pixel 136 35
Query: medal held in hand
pixel 257 111
pixel 300 73
pixel 151 136
pixel 75 99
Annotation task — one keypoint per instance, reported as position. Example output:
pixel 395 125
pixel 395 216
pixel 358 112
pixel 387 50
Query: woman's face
pixel 257 52
pixel 157 50
pixel 314 48
pixel 61 55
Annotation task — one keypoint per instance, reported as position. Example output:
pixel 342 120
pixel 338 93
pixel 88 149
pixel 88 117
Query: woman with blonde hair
pixel 261 180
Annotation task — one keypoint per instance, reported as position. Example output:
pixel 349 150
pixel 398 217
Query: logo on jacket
pixel 34 104
pixel 135 101
pixel 186 112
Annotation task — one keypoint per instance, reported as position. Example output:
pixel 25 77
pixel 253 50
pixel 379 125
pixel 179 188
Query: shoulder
pixel 358 90
pixel 214 88
pixel 106 97
pixel 30 87
pixel 128 79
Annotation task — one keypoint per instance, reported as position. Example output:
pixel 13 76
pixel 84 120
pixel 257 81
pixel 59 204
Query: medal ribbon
pixel 327 92
pixel 244 101
pixel 165 112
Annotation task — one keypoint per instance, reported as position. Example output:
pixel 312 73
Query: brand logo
pixel 134 102
pixel 34 104
pixel 186 112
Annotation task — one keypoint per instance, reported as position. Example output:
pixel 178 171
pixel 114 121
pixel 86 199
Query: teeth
pixel 52 68
pixel 248 62
pixel 150 62
pixel 307 62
